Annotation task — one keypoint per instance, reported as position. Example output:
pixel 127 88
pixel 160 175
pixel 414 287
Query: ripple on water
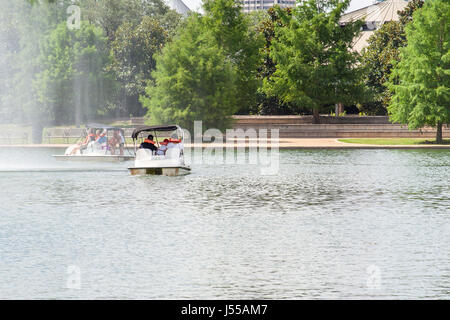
pixel 330 224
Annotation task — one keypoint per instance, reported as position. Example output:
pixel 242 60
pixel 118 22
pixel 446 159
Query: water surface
pixel 331 224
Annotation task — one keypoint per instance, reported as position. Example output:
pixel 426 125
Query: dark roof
pixel 154 128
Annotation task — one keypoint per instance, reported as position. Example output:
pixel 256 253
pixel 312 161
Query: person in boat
pixel 112 142
pixel 121 141
pixel 149 144
pixel 89 138
pixel 173 141
pixel 101 137
pixel 83 145
pixel 162 147
pixel 117 139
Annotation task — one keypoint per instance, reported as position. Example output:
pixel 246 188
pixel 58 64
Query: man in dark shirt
pixel 148 144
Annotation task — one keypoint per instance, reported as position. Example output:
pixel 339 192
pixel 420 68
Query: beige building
pixel 374 17
pixel 253 5
pixel 179 6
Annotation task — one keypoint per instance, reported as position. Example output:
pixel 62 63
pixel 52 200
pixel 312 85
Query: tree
pixel 194 80
pixel 9 46
pixel 232 31
pixel 315 66
pixel 24 27
pixel 222 82
pixel 133 60
pixel 135 29
pixel 266 26
pixel 71 86
pixel 406 14
pixel 111 14
pixel 420 82
pixel 378 58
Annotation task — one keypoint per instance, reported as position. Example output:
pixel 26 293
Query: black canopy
pixel 136 131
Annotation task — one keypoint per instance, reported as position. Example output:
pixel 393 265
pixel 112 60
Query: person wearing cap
pixel 149 144
pixel 174 138
pixel 162 147
pixel 173 141
pixel 117 139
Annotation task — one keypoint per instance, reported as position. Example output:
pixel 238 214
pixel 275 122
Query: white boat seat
pixel 144 154
pixel 173 153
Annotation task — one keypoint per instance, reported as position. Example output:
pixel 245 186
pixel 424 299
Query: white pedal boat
pixel 170 163
pixel 95 151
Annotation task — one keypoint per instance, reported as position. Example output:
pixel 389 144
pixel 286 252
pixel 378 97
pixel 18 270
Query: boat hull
pixel 164 171
pixel 97 158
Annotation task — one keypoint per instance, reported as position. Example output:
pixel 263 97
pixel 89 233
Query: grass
pixel 392 141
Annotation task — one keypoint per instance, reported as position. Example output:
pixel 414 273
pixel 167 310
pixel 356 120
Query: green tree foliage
pixel 210 70
pixel 406 15
pixel 133 60
pixel 266 26
pixel 194 80
pixel 378 58
pixel 71 84
pixel 111 14
pixel 420 82
pixel 315 66
pixel 46 79
pixel 380 54
pixel 233 33
pixel 23 27
pixel 136 29
pixel 9 46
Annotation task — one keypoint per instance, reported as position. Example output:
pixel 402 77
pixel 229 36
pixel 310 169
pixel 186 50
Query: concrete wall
pixel 335 127
pixel 324 119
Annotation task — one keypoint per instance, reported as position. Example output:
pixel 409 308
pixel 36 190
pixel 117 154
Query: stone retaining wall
pixel 289 126
pixel 324 119
pixel 335 127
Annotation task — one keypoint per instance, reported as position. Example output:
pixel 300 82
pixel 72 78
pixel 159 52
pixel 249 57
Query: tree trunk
pixel 439 133
pixel 316 115
pixel 341 108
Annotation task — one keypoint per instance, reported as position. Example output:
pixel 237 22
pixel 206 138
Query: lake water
pixel 331 224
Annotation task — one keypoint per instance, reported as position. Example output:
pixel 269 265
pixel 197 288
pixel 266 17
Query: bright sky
pixel 355 4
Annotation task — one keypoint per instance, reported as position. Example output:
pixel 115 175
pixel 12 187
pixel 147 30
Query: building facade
pixel 253 5
pixel 374 17
pixel 179 6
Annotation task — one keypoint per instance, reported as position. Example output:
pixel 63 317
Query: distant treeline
pixel 55 72
pixel 136 57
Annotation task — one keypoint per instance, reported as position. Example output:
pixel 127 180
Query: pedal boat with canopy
pixel 168 163
pixel 96 150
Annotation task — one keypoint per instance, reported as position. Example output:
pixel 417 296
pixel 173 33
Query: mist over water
pixel 38 160
pixel 25 28
pixel 61 63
